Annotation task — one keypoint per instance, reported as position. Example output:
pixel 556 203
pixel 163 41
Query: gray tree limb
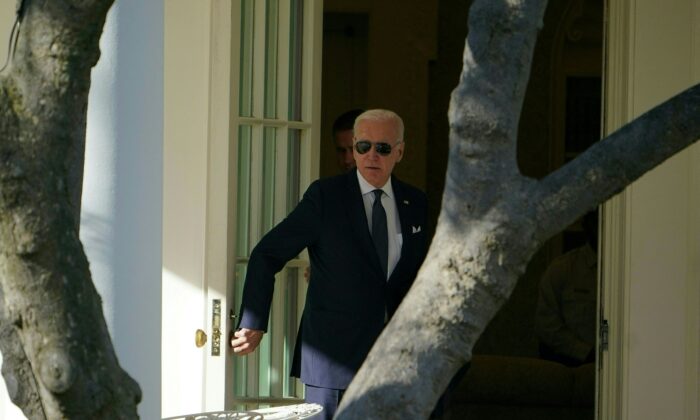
pixel 60 362
pixel 493 219
pixel 608 166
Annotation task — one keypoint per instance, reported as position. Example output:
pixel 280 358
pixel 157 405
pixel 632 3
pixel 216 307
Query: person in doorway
pixel 566 308
pixel 365 233
pixel 342 132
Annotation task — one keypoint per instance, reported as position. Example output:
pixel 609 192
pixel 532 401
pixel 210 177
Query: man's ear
pixel 400 152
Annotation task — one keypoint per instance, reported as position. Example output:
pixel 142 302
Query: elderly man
pixel 365 232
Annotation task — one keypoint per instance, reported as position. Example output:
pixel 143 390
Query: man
pixel 566 308
pixel 343 139
pixel 365 232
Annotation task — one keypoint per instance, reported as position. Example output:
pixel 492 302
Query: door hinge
pixel 604 330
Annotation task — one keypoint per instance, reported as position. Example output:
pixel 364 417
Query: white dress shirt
pixel 392 218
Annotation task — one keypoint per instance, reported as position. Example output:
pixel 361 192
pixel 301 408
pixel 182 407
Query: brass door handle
pixel 200 338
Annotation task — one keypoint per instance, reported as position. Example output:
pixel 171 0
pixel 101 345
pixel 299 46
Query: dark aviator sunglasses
pixel 363 146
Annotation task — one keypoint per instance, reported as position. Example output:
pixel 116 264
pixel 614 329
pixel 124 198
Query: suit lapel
pixel 403 206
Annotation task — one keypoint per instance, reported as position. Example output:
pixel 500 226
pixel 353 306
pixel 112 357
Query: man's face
pixel 343 149
pixel 374 167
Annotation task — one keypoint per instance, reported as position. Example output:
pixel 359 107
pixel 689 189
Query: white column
pixel 121 220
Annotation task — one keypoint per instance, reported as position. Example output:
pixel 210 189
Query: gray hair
pixel 381 115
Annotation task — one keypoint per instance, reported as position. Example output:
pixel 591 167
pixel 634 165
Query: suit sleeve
pixel 300 229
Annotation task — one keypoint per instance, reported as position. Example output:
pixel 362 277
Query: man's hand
pixel 245 341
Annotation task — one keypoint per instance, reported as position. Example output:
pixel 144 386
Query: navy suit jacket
pixel 348 295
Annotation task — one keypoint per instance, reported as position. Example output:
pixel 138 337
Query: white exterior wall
pixel 652 238
pixel 664 226
pixel 121 220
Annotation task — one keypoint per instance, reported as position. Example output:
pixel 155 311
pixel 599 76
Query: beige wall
pixel 652 275
pixel 401 42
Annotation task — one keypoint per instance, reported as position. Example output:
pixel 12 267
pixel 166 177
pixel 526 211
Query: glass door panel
pixel 273 142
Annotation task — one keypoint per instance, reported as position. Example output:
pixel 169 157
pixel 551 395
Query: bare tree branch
pixel 493 219
pixel 610 165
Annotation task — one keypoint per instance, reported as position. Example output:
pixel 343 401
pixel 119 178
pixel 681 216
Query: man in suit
pixel 343 139
pixel 365 232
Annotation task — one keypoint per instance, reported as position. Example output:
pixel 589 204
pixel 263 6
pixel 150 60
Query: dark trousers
pixel 327 397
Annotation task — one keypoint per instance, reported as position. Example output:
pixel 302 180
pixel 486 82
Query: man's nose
pixel 373 153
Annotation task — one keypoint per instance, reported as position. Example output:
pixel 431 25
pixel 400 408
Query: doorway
pixel 561 118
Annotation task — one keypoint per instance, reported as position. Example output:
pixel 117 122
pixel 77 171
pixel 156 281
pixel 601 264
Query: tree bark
pixel 58 357
pixel 493 219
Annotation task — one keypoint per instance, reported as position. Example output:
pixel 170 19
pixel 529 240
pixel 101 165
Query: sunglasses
pixel 363 146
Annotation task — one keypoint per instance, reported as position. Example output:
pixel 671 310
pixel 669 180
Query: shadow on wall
pixel 95 232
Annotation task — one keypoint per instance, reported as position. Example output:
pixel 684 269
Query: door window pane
pixel 268 193
pixel 293 169
pixel 296 44
pixel 243 194
pixel 240 364
pixel 245 99
pixel 291 325
pixel 271 42
pixel 270 178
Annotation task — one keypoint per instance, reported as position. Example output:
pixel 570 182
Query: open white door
pixel 242 108
pixel 187 146
pixel 275 117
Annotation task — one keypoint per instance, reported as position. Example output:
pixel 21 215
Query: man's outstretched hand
pixel 245 341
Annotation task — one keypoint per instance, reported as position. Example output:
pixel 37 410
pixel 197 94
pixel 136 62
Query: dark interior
pixel 406 56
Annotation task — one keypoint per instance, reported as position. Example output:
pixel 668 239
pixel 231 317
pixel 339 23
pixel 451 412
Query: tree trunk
pixel 492 218
pixel 58 358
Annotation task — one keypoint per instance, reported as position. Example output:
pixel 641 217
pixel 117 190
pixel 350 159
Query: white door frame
pixel 651 235
pixel 199 209
pixel 195 219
